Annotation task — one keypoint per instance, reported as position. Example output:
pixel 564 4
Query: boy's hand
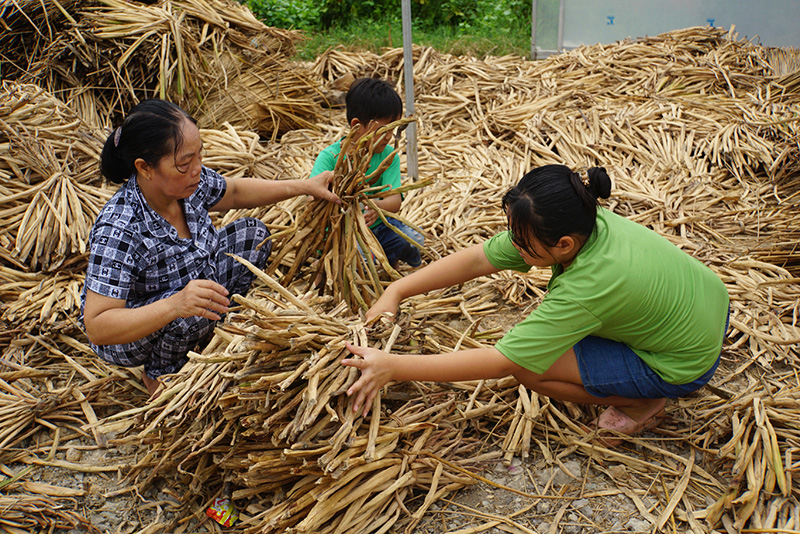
pixel 319 187
pixel 376 372
pixel 370 216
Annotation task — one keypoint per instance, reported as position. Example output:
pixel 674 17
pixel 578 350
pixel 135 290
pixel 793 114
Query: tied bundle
pixel 348 254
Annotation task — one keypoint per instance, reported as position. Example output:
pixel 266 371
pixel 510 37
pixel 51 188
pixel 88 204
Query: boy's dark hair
pixel 551 202
pixel 152 130
pixel 372 99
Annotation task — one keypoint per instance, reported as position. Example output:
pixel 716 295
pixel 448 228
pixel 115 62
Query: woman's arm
pixel 255 192
pixel 109 322
pixel 451 270
pixel 379 367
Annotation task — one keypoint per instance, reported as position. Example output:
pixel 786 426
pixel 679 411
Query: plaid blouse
pixel 136 255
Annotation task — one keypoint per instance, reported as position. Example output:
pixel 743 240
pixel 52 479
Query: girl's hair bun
pixel 599 182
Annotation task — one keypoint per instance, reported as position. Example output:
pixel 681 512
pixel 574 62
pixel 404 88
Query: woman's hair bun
pixel 599 182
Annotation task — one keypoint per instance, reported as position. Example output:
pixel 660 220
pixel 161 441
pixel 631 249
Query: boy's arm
pixel 389 203
pixel 390 179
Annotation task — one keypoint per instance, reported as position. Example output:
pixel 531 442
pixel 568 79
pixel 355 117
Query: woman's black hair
pixel 551 202
pixel 372 99
pixel 152 130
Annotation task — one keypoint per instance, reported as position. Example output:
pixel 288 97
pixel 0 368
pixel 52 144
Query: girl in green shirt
pixel 628 320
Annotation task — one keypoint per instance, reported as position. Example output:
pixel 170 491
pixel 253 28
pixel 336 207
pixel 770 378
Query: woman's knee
pixel 127 355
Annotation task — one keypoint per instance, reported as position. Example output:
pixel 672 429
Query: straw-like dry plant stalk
pixel 347 254
pixel 50 205
pixel 192 53
pixel 275 414
pixel 699 133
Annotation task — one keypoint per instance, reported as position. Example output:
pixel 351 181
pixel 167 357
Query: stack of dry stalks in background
pixel 698 130
pixel 213 58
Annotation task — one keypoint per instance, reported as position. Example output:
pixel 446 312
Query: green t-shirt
pixel 627 284
pixel 390 178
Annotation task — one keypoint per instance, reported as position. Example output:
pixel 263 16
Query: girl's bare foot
pixel 614 421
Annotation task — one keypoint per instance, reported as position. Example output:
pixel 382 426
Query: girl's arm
pixel 255 192
pixel 109 322
pixel 379 367
pixel 451 270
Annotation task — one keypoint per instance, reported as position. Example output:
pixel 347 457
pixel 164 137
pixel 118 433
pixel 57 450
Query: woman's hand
pixel 109 321
pixel 376 371
pixel 318 187
pixel 203 298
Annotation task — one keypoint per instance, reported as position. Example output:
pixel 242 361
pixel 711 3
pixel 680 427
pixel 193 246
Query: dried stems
pixel 698 131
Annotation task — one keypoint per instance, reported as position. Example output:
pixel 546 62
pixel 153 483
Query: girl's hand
pixel 319 187
pixel 203 298
pixel 387 303
pixel 376 371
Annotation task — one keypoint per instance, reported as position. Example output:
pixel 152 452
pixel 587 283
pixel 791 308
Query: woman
pixel 628 320
pixel 159 274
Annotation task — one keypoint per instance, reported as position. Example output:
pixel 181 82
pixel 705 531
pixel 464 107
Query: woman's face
pixel 176 176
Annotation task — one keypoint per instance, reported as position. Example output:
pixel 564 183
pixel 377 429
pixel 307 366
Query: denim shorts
pixel 611 368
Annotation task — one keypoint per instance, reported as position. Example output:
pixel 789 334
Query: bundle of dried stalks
pixel 267 399
pixel 40 302
pixel 51 385
pixel 337 236
pixel 268 96
pixel 51 204
pixel 761 482
pixel 32 513
pixel 28 28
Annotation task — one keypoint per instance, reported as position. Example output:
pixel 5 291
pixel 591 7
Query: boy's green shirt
pixel 627 284
pixel 390 178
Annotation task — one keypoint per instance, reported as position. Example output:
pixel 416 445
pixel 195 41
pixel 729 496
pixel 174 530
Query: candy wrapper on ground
pixel 222 511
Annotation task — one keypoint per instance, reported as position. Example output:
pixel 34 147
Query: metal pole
pixel 408 75
pixel 561 26
pixel 534 8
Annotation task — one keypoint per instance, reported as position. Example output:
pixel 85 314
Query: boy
pixel 372 103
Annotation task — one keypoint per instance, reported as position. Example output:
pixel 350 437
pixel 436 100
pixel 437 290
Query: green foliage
pixel 475 27
pixel 295 14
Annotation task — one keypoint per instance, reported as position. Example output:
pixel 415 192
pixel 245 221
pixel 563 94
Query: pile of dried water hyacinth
pixel 700 135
